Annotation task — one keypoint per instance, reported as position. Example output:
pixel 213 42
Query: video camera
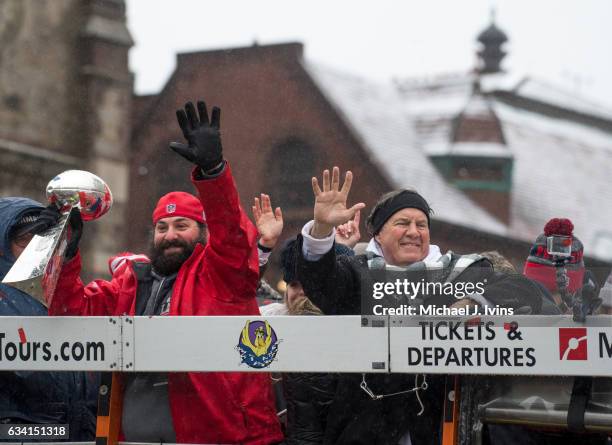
pixel 559 246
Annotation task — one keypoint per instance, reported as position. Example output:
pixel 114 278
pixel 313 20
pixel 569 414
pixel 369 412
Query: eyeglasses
pixel 23 240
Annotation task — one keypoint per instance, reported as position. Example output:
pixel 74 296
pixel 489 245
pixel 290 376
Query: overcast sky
pixel 566 42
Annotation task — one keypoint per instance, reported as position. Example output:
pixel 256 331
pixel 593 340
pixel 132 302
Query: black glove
pixel 48 217
pixel 76 230
pixel 204 138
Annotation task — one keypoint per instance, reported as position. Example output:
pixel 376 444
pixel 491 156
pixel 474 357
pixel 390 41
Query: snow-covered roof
pixel 561 167
pixel 545 92
pixel 381 118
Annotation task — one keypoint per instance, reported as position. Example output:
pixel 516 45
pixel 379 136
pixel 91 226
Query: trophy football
pixel 37 269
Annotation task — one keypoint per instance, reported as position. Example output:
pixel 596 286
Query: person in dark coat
pixel 38 397
pixel 308 396
pixel 399 223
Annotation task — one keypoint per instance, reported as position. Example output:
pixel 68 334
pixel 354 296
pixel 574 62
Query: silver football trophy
pixel 37 269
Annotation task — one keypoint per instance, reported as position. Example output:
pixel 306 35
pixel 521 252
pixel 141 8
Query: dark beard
pixel 169 263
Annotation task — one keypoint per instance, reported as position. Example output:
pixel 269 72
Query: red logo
pixel 572 344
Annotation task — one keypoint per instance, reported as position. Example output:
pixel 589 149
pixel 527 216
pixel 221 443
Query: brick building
pixel 65 98
pixel 277 132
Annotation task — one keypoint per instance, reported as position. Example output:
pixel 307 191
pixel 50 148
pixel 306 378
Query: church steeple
pixel 491 53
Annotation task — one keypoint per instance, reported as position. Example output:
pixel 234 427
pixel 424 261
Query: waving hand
pixel 330 202
pixel 203 136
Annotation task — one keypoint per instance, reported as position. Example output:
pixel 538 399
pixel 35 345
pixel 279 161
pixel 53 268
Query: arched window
pixel 289 170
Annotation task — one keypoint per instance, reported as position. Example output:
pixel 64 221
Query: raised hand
pixel 48 218
pixel 348 233
pixel 269 222
pixel 330 203
pixel 76 231
pixel 203 136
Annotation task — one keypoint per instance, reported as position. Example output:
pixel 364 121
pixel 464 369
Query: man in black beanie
pixel 400 227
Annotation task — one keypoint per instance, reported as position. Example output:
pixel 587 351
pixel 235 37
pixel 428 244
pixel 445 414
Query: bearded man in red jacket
pixel 197 266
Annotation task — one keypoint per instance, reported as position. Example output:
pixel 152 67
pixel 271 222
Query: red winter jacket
pixel 219 279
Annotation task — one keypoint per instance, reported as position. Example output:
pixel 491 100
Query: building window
pixel 289 170
pixel 470 171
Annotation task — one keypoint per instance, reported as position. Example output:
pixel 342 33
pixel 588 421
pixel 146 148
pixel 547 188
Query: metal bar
pixel 593 422
pixel 304 344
